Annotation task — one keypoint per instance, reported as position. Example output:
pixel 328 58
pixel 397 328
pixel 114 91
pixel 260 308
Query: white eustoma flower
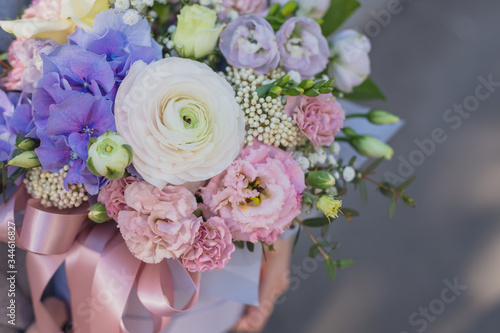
pixel 181 120
pixel 351 63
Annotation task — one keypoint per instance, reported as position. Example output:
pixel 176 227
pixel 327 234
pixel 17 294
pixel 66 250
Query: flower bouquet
pixel 161 139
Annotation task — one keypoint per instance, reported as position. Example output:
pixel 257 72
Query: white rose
pixel 181 120
pixel 351 63
pixel 51 24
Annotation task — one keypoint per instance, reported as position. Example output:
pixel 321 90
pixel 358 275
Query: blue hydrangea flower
pixel 122 44
pixel 68 129
pixel 79 70
pixel 15 117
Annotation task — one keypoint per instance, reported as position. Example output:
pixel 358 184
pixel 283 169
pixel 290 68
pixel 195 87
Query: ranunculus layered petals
pixel 181 120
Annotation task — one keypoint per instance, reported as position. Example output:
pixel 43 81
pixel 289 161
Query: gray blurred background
pixel 427 59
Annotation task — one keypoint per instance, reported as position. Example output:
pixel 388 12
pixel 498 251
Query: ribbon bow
pixel 100 269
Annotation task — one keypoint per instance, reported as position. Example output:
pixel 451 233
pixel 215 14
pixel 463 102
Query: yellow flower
pixel 329 206
pixel 72 13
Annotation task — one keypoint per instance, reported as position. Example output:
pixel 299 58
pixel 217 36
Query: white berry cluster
pixel 309 158
pixel 48 186
pixel 133 9
pixel 265 117
pixel 216 4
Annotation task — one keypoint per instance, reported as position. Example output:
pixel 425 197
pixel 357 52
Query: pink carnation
pixel 244 7
pixel 160 223
pixel 319 118
pixel 43 10
pixel 113 196
pixel 26 61
pixel 259 195
pixel 212 248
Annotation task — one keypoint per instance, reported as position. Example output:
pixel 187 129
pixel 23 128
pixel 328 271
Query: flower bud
pixel 329 206
pixel 320 179
pixel 109 155
pixel 371 147
pixel 381 117
pixel 196 34
pixel 98 213
pixel 26 160
pixel 27 144
pixel 344 263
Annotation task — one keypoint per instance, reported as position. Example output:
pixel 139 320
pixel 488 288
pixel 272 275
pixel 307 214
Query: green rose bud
pixel 98 213
pixel 27 144
pixel 369 146
pixel 320 179
pixel 329 206
pixel 26 160
pixel 196 34
pixel 381 117
pixel 109 155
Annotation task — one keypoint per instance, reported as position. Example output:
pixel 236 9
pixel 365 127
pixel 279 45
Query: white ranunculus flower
pixel 181 120
pixel 351 63
pixel 55 19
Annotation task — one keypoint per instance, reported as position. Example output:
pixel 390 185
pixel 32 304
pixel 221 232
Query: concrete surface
pixel 427 59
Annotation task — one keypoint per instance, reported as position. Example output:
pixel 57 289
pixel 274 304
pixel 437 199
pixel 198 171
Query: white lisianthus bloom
pixel 351 63
pixel 55 19
pixel 181 120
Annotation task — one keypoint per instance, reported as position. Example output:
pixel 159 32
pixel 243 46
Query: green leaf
pixel 392 207
pixel 296 240
pixel 250 246
pixel 316 222
pixel 339 11
pixel 344 263
pixel 370 168
pixel 239 244
pixel 330 268
pixel 324 230
pixel 263 90
pixel 264 252
pixel 19 138
pixel 363 192
pixel 383 189
pixel 406 183
pixel 368 90
pixel 349 213
pixel 314 249
pixel 352 161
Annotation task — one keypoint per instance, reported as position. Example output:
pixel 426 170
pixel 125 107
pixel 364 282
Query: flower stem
pixel 355 115
pixel 314 240
pixel 311 196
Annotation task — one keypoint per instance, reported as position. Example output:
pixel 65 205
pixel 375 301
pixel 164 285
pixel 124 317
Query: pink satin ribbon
pixel 100 269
